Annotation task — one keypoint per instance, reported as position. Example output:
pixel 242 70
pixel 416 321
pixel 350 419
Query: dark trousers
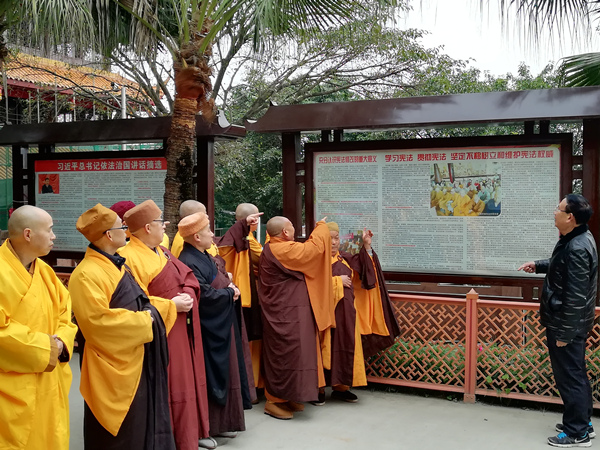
pixel 570 374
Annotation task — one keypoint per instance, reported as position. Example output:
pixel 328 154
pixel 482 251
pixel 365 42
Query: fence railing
pixel 474 347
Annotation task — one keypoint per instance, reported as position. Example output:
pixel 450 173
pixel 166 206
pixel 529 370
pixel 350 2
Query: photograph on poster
pixel 48 183
pixel 470 189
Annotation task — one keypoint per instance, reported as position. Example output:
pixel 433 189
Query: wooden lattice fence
pixel 475 347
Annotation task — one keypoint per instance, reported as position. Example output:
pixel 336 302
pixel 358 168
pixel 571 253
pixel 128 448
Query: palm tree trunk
pixel 193 88
pixel 180 149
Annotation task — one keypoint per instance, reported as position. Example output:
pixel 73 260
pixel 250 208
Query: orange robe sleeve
pixel 177 245
pixel 313 259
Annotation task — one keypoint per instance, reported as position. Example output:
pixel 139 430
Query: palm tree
pixel 579 70
pixel 187 29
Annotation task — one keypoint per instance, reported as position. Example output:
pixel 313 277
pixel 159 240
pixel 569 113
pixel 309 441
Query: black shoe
pixel 561 428
pixel 563 440
pixel 321 400
pixel 345 396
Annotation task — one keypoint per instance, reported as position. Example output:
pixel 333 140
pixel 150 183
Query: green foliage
pixel 333 71
pixel 248 171
pixel 48 24
pixel 582 70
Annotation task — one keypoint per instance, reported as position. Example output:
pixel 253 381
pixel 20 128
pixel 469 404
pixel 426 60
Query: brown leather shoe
pixel 278 410
pixel 293 406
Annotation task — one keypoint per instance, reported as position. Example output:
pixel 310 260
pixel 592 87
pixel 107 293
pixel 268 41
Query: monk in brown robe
pixel 220 321
pixel 240 250
pixel 160 274
pixel 342 346
pixel 296 296
pixel 374 312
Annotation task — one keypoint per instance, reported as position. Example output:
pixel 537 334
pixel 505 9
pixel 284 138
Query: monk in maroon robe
pixel 160 274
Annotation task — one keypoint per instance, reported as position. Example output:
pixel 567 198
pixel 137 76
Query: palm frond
pixel 280 17
pixel 582 70
pixel 551 15
pixel 51 23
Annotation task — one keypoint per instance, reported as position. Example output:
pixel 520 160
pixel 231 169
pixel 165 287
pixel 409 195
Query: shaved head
pixel 26 216
pixel 243 210
pixel 190 207
pixel 276 224
pixel 30 233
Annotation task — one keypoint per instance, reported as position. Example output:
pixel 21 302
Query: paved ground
pixel 379 421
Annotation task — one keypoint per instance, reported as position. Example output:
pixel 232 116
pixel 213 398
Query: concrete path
pixel 379 421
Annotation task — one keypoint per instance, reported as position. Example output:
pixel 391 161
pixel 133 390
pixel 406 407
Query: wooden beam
pixel 486 108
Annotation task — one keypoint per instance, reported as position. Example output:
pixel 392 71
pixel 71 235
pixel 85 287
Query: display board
pixel 475 211
pixel 68 186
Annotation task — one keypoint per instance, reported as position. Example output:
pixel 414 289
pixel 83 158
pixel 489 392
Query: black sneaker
pixel 345 396
pixel 321 400
pixel 563 440
pixel 561 428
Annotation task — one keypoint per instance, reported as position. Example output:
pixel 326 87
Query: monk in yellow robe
pixel 124 369
pixel 122 207
pixel 295 288
pixel 188 208
pixel 36 338
pixel 240 250
pixel 477 206
pixel 445 202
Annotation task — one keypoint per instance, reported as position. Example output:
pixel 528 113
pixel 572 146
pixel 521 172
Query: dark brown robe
pixel 147 425
pixel 343 335
pixel 289 332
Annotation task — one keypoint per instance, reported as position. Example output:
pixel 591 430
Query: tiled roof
pixel 49 73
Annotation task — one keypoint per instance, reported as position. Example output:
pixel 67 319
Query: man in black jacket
pixel 567 311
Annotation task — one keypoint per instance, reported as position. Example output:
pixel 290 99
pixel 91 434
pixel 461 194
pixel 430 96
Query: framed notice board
pixel 470 206
pixel 67 184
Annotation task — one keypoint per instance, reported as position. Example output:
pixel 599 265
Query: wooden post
pixel 18 175
pixel 471 347
pixel 591 147
pixel 291 146
pixel 205 178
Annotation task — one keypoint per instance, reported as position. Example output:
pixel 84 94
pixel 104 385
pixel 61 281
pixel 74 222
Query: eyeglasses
pixel 124 227
pixel 561 210
pixel 162 221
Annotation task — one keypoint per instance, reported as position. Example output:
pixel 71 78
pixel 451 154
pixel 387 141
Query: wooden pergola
pixel 535 110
